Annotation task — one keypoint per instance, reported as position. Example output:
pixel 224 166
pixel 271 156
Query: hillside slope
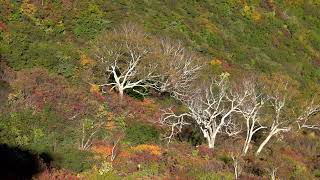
pixel 267 36
pixel 56 116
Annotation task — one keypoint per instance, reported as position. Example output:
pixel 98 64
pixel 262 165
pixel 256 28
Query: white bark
pixel 278 124
pixel 250 110
pixel 211 138
pixel 180 69
pixel 88 133
pixel 114 153
pixel 236 166
pixel 127 77
pixel 210 108
pixel 132 60
pixel 174 122
pixel 304 118
pixel 124 58
pixel 272 173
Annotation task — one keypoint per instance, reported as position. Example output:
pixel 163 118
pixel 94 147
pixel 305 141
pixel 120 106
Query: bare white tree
pixel 236 166
pixel 125 54
pixel 89 129
pixel 180 68
pixel 232 126
pixel 174 122
pixel 272 173
pixel 279 123
pixel 303 120
pixel 210 108
pixel 114 151
pixel 251 111
pixel 133 60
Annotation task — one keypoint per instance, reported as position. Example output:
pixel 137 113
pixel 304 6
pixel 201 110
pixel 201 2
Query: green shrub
pixel 45 132
pixel 90 23
pixel 73 159
pixel 23 51
pixel 317 173
pixel 147 172
pixel 97 176
pixel 195 152
pixel 226 158
pixel 134 94
pixel 217 176
pixel 138 133
pixel 205 175
pixel 121 123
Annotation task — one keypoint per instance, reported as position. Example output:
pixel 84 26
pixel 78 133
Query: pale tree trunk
pixel 246 145
pixel 248 139
pixel 210 109
pixel 211 141
pixel 251 112
pixel 275 130
pixel 278 104
pixel 264 143
pixel 210 135
pixel 272 173
pixel 114 153
pixel 236 166
pixel 121 92
pixel 250 133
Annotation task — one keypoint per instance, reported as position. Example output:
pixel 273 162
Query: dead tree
pixel 279 123
pixel 179 68
pixel 125 55
pixel 251 112
pixel 209 107
pixel 89 129
pixel 303 120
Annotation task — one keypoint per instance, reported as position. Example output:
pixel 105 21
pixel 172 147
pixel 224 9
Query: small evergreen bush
pixel 138 133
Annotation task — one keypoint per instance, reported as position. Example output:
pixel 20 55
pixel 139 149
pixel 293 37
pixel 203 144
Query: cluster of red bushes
pixel 56 174
pixel 39 88
pixel 146 110
pixel 3 26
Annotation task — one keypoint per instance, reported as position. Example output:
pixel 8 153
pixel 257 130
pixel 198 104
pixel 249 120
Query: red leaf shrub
pixel 146 111
pixel 40 88
pixel 204 151
pixel 316 62
pixel 3 26
pixel 56 175
pixel 142 157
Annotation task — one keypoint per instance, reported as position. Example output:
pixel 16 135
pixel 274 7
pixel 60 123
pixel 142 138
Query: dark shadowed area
pixel 16 163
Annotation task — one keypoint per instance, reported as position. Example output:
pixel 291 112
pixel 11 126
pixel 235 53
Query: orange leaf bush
pixel 151 149
pixel 251 13
pixel 94 88
pixel 102 150
pixel 85 60
pixel 28 8
pixel 148 101
pixel 215 62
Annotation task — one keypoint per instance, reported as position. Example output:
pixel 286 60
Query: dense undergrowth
pixel 50 102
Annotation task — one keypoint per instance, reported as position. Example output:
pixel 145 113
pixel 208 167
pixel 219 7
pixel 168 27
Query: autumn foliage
pixel 40 88
pixel 148 148
pixel 53 94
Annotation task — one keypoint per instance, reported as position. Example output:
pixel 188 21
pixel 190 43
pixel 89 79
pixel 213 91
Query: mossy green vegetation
pixel 137 133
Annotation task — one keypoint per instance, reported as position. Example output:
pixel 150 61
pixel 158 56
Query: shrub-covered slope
pixel 52 106
pixel 266 35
